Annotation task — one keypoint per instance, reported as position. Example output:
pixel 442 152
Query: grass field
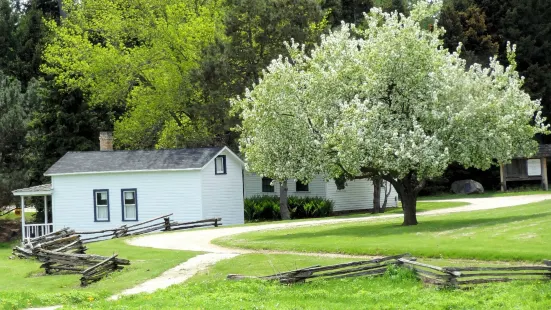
pixel 23 283
pixel 396 290
pixel 483 195
pixel 516 233
pixel 13 216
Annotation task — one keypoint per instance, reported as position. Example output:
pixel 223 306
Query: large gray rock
pixel 467 187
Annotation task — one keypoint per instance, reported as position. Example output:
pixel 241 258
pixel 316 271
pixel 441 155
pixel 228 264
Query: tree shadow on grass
pixel 429 225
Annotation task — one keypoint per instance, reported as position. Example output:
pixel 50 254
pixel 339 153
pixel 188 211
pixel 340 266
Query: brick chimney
pixel 106 141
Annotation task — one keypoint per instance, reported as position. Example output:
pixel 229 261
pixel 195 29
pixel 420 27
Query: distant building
pixel 527 169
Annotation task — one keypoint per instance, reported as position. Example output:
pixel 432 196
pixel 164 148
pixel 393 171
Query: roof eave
pixel 119 171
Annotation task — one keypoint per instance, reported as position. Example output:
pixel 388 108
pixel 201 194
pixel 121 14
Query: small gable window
pixel 220 164
pixel 101 205
pixel 301 187
pixel 129 204
pixel 267 186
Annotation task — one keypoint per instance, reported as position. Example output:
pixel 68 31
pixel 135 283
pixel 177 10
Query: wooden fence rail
pixel 64 250
pixel 465 276
pixel 372 267
pixel 92 267
pixel 444 276
pixel 161 223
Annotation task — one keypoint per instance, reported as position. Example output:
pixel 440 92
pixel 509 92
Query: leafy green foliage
pixel 261 208
pixel 148 49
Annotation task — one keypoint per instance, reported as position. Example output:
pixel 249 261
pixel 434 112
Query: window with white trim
pixel 101 205
pixel 220 164
pixel 129 205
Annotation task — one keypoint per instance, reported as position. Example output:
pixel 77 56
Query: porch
pixel 33 230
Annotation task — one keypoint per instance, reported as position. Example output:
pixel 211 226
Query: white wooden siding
pixel 158 193
pixel 223 193
pixel 357 195
pixel 253 187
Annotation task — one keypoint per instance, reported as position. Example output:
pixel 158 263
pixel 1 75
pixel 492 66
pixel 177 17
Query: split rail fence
pixel 468 276
pixel 63 251
pixel 161 223
pixel 442 276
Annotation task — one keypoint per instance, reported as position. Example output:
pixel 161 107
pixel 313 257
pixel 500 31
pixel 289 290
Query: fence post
pixel 216 222
pixel 167 224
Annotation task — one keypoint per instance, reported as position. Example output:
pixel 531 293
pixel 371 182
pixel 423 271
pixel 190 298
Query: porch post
pixel 23 217
pixel 45 209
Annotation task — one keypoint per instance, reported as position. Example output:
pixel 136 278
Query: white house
pixel 105 189
pixel 357 195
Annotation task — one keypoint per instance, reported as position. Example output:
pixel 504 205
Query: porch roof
pixel 39 190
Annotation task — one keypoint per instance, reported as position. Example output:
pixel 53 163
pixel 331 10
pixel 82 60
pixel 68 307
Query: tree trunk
pixel 377 182
pixel 387 190
pixel 284 201
pixel 409 204
pixel 408 188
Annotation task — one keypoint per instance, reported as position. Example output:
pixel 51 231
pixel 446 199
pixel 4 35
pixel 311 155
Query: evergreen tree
pixel 465 23
pixel 9 19
pixel 15 109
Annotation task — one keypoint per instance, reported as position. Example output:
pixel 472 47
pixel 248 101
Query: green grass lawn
pixel 515 233
pixel 24 284
pixel 396 290
pixel 484 195
pixel 13 216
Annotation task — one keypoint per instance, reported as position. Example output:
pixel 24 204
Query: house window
pixel 267 186
pixel 129 204
pixel 220 164
pixel 101 205
pixel 301 187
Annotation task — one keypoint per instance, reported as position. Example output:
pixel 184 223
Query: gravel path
pixel 177 274
pixel 200 240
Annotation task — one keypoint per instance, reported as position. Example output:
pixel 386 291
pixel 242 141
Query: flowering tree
pixel 387 102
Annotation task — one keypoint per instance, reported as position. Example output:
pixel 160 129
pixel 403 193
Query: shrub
pixel 309 207
pixel 266 208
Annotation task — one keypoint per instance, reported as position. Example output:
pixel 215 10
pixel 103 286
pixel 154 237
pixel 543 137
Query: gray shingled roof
pixel 112 161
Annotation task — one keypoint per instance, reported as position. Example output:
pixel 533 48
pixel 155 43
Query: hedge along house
pixel 356 196
pixel 105 189
pixel 527 169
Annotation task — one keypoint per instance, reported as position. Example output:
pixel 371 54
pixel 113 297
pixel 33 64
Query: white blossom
pixel 389 98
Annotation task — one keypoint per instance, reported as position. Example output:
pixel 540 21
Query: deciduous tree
pixel 137 55
pixel 388 101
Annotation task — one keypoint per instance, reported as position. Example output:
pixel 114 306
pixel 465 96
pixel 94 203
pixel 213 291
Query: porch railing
pixel 37 230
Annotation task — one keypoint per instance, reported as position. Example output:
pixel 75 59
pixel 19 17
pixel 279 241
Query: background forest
pixel 160 73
